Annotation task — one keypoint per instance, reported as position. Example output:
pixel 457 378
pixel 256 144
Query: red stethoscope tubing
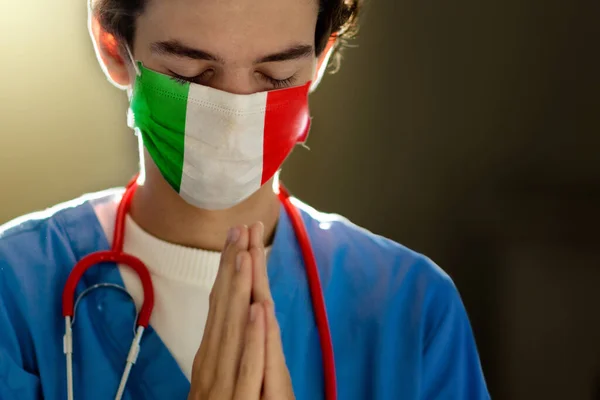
pixel 316 293
pixel 117 256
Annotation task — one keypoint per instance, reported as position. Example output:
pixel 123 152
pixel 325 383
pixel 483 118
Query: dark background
pixel 466 130
pixel 470 131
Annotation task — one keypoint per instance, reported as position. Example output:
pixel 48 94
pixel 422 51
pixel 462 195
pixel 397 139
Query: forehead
pixel 230 25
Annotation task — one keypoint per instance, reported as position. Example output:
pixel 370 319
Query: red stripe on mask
pixel 287 122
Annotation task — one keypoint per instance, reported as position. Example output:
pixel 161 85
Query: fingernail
pixel 261 229
pixel 252 313
pixel 238 262
pixel 233 235
pixel 268 304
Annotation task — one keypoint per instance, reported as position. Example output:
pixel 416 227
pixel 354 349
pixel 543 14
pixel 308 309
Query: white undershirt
pixel 182 278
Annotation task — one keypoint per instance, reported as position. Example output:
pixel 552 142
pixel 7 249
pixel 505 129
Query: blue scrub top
pixel 399 328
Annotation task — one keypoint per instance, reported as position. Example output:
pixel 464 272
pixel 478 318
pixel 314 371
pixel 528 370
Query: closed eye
pixel 275 83
pixel 183 80
pixel 278 83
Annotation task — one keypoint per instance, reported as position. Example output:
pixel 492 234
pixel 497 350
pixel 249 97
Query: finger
pixel 252 366
pixel 260 282
pixel 261 290
pixel 257 233
pixel 233 236
pixel 219 297
pixel 277 378
pixel 235 324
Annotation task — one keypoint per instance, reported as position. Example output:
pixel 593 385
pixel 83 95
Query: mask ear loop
pixel 135 66
pixel 130 88
pixel 323 63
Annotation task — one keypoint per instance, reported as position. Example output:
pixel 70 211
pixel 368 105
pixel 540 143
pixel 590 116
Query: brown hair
pixel 339 17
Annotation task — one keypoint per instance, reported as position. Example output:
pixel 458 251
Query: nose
pixel 240 81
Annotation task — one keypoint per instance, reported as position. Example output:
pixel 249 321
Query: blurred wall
pixel 467 130
pixel 63 126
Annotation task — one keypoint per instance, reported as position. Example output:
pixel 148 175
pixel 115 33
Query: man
pixel 218 98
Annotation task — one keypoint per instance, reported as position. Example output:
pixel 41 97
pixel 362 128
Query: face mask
pixel 216 148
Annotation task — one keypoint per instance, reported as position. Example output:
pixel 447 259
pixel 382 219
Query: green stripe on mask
pixel 159 107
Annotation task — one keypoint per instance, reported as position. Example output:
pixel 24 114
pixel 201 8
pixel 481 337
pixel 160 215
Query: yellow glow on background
pixel 59 115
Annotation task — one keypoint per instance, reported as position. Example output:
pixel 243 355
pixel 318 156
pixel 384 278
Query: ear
pixel 323 61
pixel 108 54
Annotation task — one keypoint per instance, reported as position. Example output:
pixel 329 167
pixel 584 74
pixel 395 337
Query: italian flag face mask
pixel 216 148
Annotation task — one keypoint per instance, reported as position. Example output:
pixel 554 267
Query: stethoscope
pixel 117 256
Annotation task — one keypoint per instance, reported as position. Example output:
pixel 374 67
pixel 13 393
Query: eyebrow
pixel 292 53
pixel 177 49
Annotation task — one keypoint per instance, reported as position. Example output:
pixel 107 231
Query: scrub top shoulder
pixel 398 325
